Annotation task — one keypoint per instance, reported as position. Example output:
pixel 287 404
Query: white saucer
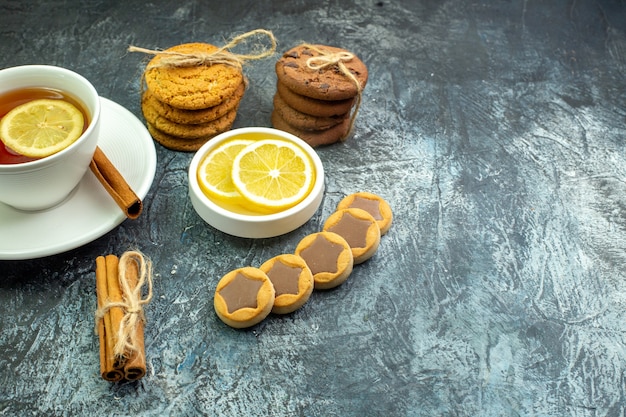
pixel 89 212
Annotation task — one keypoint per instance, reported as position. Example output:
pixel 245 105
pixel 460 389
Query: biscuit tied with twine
pixel 132 303
pixel 328 59
pixel 222 55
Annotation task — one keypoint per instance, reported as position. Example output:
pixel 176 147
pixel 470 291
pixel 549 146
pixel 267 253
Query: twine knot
pixel 221 55
pixel 328 59
pixel 323 61
pixel 132 303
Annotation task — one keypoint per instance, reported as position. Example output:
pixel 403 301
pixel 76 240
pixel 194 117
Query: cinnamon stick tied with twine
pixel 327 59
pixel 120 317
pixel 220 56
pixel 115 184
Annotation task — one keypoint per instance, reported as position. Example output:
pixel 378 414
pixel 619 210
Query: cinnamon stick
pixel 115 313
pixel 135 367
pixel 120 317
pixel 115 184
pixel 107 358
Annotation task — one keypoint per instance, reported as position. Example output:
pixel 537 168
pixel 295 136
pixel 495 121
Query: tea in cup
pixel 30 181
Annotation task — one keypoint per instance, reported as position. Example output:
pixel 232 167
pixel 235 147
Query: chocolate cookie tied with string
pixel 358 228
pixel 244 297
pixel 292 280
pixel 329 258
pixel 322 72
pixel 319 93
pixel 373 204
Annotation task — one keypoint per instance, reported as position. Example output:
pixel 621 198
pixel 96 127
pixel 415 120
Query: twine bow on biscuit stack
pixel 191 92
pixel 220 56
pixel 328 59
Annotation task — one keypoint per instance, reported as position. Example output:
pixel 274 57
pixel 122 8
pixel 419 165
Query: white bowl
pixel 252 225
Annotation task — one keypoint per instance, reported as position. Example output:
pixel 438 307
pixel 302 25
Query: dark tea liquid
pixel 12 99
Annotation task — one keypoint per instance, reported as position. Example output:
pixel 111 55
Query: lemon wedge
pixel 40 128
pixel 273 174
pixel 215 172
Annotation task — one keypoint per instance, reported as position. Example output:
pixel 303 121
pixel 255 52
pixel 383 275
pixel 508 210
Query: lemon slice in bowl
pixel 273 174
pixel 40 128
pixel 215 171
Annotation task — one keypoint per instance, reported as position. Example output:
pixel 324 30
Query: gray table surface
pixel 496 131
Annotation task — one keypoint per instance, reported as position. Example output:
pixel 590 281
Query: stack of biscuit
pixel 186 105
pixel 316 103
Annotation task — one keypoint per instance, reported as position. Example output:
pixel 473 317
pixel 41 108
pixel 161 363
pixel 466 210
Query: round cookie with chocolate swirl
pixel 329 258
pixel 292 280
pixel 244 297
pixel 358 228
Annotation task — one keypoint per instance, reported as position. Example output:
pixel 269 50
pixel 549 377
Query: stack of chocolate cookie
pixel 316 103
pixel 186 105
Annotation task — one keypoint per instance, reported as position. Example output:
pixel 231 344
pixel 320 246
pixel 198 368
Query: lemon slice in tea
pixel 214 172
pixel 41 127
pixel 273 174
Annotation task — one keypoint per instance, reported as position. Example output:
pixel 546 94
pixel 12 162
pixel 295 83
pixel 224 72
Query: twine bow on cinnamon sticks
pixel 328 59
pixel 222 55
pixel 120 317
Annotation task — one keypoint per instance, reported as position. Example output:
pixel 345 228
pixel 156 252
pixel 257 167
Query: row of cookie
pixel 351 235
pixel 186 106
pixel 313 98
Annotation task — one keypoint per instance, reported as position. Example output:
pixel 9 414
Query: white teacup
pixel 45 182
